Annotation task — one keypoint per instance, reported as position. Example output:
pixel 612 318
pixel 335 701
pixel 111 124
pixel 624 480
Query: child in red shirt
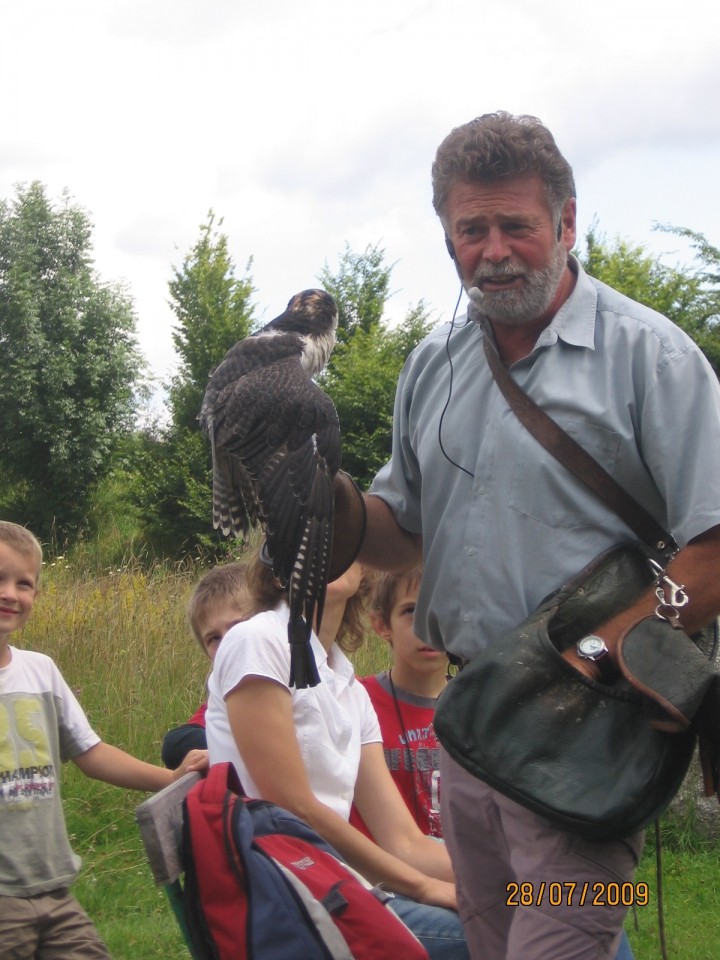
pixel 404 699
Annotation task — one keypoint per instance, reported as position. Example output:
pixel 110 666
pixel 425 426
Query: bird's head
pixel 312 314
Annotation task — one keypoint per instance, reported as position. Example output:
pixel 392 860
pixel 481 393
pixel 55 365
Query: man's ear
pixel 568 224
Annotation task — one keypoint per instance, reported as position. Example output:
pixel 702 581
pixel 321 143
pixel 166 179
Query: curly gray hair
pixel 498 145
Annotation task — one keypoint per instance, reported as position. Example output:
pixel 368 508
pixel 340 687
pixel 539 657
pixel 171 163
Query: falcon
pixel 275 443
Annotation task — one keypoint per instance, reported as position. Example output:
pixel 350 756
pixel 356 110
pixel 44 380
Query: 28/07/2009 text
pixel 556 894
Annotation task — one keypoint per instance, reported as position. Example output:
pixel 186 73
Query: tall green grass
pixel 120 638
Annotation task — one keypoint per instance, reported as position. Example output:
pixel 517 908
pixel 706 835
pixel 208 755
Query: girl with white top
pixel 314 751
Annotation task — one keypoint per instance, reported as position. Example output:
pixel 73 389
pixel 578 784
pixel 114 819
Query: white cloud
pixel 308 125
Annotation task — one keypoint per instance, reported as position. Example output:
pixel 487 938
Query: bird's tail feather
pixel 303 669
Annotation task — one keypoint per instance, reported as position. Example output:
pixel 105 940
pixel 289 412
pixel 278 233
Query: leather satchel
pixel 585 755
pixel 599 759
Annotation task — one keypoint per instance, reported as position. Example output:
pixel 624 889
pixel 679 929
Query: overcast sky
pixel 306 125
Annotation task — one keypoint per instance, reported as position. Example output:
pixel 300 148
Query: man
pixel 499 523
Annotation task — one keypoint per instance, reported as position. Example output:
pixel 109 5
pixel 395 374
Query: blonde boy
pixel 219 601
pixel 41 726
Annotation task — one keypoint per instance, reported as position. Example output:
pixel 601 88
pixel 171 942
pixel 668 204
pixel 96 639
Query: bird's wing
pixel 235 505
pixel 240 359
pixel 284 432
pixel 236 508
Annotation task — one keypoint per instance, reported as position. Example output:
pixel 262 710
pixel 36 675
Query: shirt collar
pixel 337 662
pixel 340 665
pixel 575 320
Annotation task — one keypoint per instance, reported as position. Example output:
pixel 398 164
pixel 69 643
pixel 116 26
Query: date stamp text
pixel 557 894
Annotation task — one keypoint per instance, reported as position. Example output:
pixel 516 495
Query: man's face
pixel 506 244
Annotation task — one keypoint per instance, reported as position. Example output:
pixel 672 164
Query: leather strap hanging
pixel 577 460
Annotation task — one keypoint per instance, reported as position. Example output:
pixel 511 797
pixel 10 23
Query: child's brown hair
pixel 22 541
pixel 353 628
pixel 223 585
pixel 386 588
pixel 266 591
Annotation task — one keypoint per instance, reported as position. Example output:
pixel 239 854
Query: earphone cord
pixel 447 402
pixel 408 754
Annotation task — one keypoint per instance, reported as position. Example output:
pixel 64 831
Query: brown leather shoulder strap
pixel 572 456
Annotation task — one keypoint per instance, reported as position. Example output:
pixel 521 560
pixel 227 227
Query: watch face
pixel 592 646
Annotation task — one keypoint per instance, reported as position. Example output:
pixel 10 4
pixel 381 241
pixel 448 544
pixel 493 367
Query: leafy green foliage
pixel 703 325
pixel 69 364
pixel 173 488
pixel 685 295
pixel 361 288
pixel 363 371
pixel 213 312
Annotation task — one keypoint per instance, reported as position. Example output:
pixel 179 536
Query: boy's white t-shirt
pixel 332 720
pixel 41 726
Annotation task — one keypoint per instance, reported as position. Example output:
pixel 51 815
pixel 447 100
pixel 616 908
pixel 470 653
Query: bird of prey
pixel 275 442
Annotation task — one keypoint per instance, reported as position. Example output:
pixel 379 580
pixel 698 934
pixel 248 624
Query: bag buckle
pixel 671 596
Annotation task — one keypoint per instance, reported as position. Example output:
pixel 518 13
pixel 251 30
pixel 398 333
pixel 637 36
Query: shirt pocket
pixel 543 489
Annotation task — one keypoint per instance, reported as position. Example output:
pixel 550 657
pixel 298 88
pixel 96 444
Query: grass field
pixel 121 640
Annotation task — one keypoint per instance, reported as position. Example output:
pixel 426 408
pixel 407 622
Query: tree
pixel 364 368
pixel 360 288
pixel 69 364
pixel 703 325
pixel 707 254
pixel 684 295
pixel 213 311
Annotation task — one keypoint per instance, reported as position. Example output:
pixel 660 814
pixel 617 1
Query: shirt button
pixel 471 551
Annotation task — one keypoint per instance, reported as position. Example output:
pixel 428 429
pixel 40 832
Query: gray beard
pixel 518 307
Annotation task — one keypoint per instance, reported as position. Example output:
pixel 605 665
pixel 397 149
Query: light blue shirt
pixel 624 381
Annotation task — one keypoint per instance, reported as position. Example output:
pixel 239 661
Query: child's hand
pixel 439 893
pixel 195 760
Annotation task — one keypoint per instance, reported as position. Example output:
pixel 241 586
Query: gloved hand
pixel 350 522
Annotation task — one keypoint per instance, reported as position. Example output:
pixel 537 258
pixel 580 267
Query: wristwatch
pixel 594 648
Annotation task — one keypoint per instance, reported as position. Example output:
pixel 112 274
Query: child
pixel 404 699
pixel 42 725
pixel 313 751
pixel 219 601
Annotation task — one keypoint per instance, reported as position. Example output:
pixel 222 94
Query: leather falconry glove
pixel 350 523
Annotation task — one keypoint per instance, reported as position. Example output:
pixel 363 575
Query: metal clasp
pixel 678 598
pixel 671 596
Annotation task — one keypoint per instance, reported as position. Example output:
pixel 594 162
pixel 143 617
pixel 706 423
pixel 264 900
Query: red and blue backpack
pixel 260 884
